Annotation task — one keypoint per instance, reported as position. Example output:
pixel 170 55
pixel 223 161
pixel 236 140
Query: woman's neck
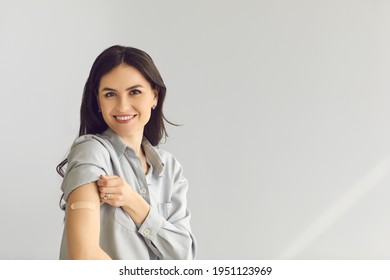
pixel 139 151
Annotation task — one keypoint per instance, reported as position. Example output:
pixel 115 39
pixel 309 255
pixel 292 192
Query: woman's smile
pixel 124 118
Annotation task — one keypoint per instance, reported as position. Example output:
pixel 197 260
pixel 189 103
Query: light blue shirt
pixel 166 231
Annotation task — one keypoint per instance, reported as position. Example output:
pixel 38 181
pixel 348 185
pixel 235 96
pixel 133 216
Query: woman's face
pixel 126 99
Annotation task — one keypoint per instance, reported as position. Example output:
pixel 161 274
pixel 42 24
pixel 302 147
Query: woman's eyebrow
pixel 108 89
pixel 135 86
pixel 130 88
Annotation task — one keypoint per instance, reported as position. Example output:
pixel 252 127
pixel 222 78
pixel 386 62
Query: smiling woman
pixel 127 198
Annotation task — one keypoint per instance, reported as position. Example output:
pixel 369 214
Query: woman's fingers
pixel 109 181
pixel 111 189
pixel 108 187
pixel 112 199
pixel 108 196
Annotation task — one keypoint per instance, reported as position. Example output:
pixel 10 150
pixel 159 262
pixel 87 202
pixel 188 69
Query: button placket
pixel 138 172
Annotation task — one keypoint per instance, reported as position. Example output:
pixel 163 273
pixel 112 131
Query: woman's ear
pixel 156 91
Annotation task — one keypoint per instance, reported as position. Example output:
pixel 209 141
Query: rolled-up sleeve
pixel 171 238
pixel 87 160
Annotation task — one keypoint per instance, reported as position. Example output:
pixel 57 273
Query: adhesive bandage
pixel 84 205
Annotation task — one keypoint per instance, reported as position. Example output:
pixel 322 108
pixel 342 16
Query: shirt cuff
pixel 152 225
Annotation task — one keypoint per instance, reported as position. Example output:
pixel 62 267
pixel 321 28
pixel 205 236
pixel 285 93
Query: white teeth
pixel 124 118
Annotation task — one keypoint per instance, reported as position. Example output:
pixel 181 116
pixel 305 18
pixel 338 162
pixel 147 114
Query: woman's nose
pixel 123 104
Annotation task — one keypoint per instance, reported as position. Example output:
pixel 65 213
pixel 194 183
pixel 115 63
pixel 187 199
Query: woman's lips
pixel 124 118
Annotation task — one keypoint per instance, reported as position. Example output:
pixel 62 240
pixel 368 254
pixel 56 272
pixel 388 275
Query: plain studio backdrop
pixel 285 112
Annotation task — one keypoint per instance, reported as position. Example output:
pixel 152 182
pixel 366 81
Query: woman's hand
pixel 117 192
pixel 114 190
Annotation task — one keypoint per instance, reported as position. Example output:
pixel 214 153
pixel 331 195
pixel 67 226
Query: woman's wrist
pixel 137 208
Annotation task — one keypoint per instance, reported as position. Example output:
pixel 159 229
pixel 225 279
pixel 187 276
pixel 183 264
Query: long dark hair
pixel 91 120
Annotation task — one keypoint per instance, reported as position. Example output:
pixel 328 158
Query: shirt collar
pixel 120 147
pixel 152 156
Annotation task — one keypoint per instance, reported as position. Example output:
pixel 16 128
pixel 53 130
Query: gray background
pixel 284 106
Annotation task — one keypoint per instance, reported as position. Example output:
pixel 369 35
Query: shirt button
pixel 143 191
pixel 147 232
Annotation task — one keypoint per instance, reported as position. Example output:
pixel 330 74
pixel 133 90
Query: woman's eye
pixel 135 92
pixel 109 94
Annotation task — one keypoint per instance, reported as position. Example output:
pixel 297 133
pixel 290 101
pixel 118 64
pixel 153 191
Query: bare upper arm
pixel 83 223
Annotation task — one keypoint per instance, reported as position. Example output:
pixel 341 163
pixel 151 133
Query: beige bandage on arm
pixel 85 205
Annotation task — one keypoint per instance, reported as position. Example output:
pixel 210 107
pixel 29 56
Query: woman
pixel 125 198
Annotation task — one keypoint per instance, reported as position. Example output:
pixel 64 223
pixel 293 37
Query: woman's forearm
pixel 137 208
